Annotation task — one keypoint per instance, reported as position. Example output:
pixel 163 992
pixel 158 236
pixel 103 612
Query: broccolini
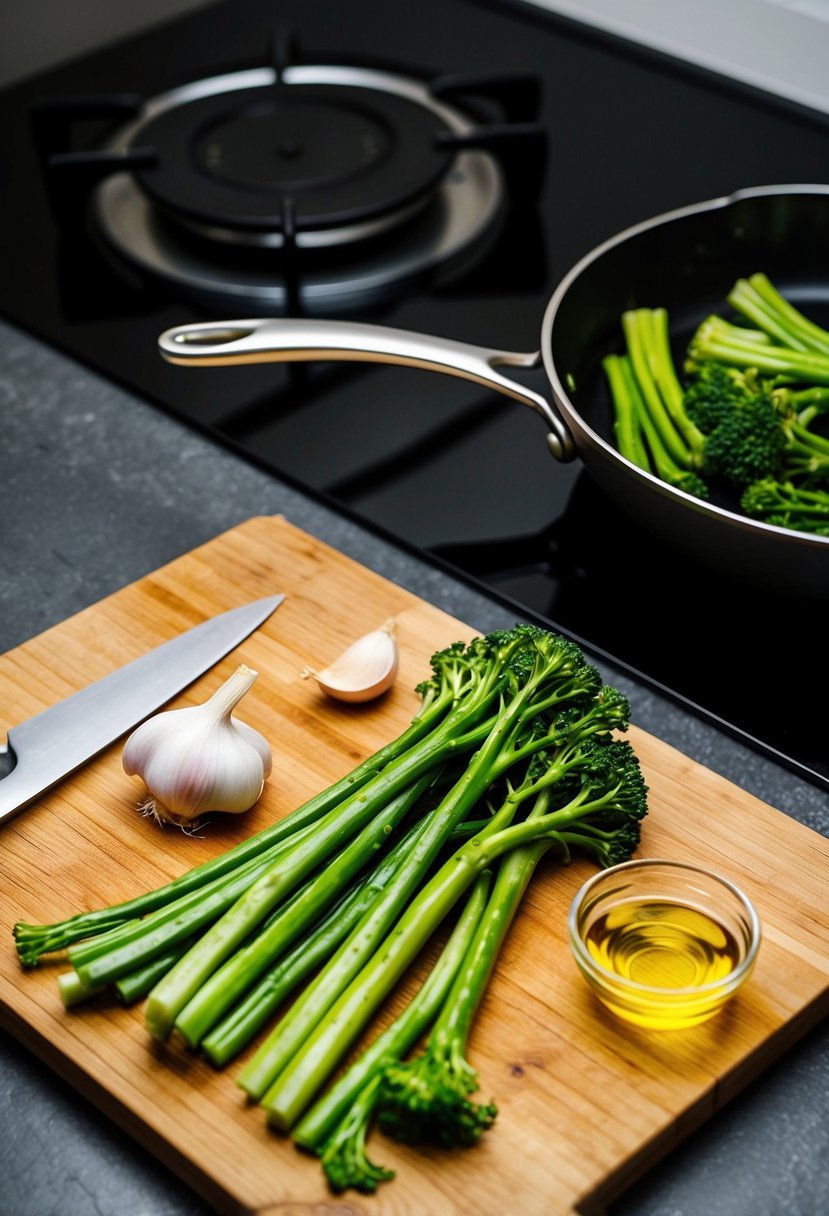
pixel 513 754
pixel 745 417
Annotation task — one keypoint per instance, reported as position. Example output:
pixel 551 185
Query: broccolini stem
pixel 209 998
pixel 203 899
pixel 100 962
pixel 719 340
pixel 130 988
pixel 626 426
pixel 73 990
pixel 633 409
pixel 804 439
pixel 664 465
pixel 426 1099
pixel 760 301
pixel 133 987
pixel 751 304
pixel 238 1027
pixel 319 1122
pixel 670 389
pixel 809 403
pixel 288 1036
pixel 645 331
pixel 193 996
pixel 514 873
pixel 303 1076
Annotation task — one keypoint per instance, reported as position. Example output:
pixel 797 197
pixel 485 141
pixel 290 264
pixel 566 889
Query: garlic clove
pixel 365 669
pixel 200 759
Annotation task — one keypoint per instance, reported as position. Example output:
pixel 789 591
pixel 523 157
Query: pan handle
pixel 272 340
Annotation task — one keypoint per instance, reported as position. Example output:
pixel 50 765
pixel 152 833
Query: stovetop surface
pixel 450 469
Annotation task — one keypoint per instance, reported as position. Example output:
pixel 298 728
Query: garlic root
pixel 200 759
pixel 366 669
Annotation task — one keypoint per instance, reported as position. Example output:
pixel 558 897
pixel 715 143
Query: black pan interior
pixel 688 265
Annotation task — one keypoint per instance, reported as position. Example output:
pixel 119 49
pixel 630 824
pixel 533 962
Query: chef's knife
pixel 52 744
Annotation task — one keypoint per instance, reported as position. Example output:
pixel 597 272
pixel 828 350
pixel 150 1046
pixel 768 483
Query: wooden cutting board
pixel 585 1104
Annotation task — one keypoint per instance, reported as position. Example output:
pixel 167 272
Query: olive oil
pixel 666 946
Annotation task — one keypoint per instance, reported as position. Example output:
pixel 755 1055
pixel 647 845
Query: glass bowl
pixel 663 944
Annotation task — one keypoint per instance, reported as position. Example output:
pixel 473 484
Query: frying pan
pixel 684 260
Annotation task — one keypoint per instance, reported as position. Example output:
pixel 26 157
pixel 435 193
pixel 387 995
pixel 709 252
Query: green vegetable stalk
pixel 196 993
pixel 237 1028
pixel 102 960
pixel 757 299
pixel 720 341
pixel 639 437
pixel 426 1100
pixel 337 1126
pixel 652 426
pixel 649 351
pixel 295 1025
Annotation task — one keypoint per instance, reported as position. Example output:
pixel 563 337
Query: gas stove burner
pixel 366 175
pixel 347 161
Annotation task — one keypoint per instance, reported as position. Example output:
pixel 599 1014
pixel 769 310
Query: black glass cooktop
pixel 588 135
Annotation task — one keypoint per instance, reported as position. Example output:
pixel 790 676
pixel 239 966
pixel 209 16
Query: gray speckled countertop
pixel 97 488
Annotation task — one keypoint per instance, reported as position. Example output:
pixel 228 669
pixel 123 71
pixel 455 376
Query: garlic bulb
pixel 200 759
pixel 367 668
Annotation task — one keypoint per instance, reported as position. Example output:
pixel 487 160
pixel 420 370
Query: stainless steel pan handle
pixel 293 340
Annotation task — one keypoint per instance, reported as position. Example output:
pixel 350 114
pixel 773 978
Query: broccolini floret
pixel 345 1161
pixel 735 409
pixel 787 506
pixel 805 455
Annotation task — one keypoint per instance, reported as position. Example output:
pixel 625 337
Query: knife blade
pixel 55 742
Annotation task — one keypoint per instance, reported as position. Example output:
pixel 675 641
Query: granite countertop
pixel 97 488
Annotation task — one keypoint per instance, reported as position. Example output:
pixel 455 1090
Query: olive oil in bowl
pixel 663 945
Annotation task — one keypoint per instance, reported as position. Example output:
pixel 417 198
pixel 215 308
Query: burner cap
pixel 455 195
pixel 312 156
